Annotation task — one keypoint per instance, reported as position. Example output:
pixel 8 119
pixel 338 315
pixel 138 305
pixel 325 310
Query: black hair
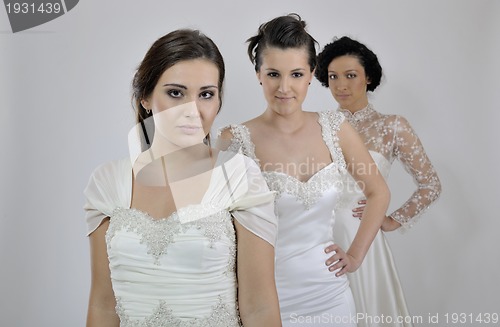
pixel 345 46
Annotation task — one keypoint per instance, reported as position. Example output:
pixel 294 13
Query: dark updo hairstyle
pixel 170 49
pixel 282 32
pixel 346 46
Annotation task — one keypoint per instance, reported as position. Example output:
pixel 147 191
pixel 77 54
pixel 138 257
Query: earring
pixel 309 83
pixel 148 111
pixel 260 83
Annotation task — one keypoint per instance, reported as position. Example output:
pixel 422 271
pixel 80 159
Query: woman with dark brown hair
pixel 302 155
pixel 180 234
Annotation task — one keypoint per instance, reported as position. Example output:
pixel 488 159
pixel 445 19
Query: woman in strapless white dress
pixel 302 156
pixel 350 70
pixel 180 234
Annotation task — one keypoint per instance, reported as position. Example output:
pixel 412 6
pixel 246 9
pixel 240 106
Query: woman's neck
pixel 175 156
pixel 359 105
pixel 286 124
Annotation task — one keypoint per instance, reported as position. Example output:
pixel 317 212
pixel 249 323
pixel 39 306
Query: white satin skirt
pixel 376 287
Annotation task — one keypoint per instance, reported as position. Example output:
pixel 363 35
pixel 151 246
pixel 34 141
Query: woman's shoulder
pixel 109 187
pixel 330 120
pixel 234 158
pixel 233 130
pixel 331 114
pixel 236 138
pixel 229 131
pixel 112 168
pixel 110 178
pixel 246 125
pixel 395 121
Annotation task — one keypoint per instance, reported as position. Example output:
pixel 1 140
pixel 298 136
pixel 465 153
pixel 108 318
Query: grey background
pixel 65 95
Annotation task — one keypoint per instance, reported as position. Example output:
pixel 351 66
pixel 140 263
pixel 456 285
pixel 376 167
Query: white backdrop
pixel 65 97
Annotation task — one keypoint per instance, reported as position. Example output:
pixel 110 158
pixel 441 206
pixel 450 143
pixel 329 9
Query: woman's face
pixel 185 102
pixel 347 81
pixel 285 75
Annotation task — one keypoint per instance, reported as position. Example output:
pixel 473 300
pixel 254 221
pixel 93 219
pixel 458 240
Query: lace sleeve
pixel 410 152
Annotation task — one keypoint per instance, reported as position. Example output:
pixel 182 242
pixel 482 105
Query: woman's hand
pixel 388 225
pixel 340 260
pixel 358 212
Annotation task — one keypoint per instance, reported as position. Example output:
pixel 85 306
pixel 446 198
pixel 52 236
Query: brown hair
pixel 170 49
pixel 282 32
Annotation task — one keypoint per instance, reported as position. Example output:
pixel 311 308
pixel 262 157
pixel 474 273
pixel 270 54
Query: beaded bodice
pixel 164 243
pixel 394 138
pixel 158 234
pixel 310 191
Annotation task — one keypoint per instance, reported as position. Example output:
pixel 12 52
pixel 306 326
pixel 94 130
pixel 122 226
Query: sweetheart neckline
pixel 168 217
pixel 326 168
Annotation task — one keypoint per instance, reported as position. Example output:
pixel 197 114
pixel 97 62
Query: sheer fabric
pixel 375 285
pixel 309 294
pixel 179 270
pixel 392 137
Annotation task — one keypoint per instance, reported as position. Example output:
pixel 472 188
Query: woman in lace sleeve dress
pixel 301 154
pixel 350 70
pixel 180 234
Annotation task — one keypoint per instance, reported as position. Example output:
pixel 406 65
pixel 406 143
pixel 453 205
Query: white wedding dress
pixel 179 270
pixel 375 285
pixel 309 294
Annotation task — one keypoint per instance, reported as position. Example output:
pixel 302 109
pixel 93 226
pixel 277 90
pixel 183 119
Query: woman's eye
pixel 296 75
pixel 206 95
pixel 174 93
pixel 332 76
pixel 273 74
pixel 351 75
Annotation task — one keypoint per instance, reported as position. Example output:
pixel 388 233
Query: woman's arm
pixel 257 296
pixel 101 310
pixel 365 172
pixel 410 152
